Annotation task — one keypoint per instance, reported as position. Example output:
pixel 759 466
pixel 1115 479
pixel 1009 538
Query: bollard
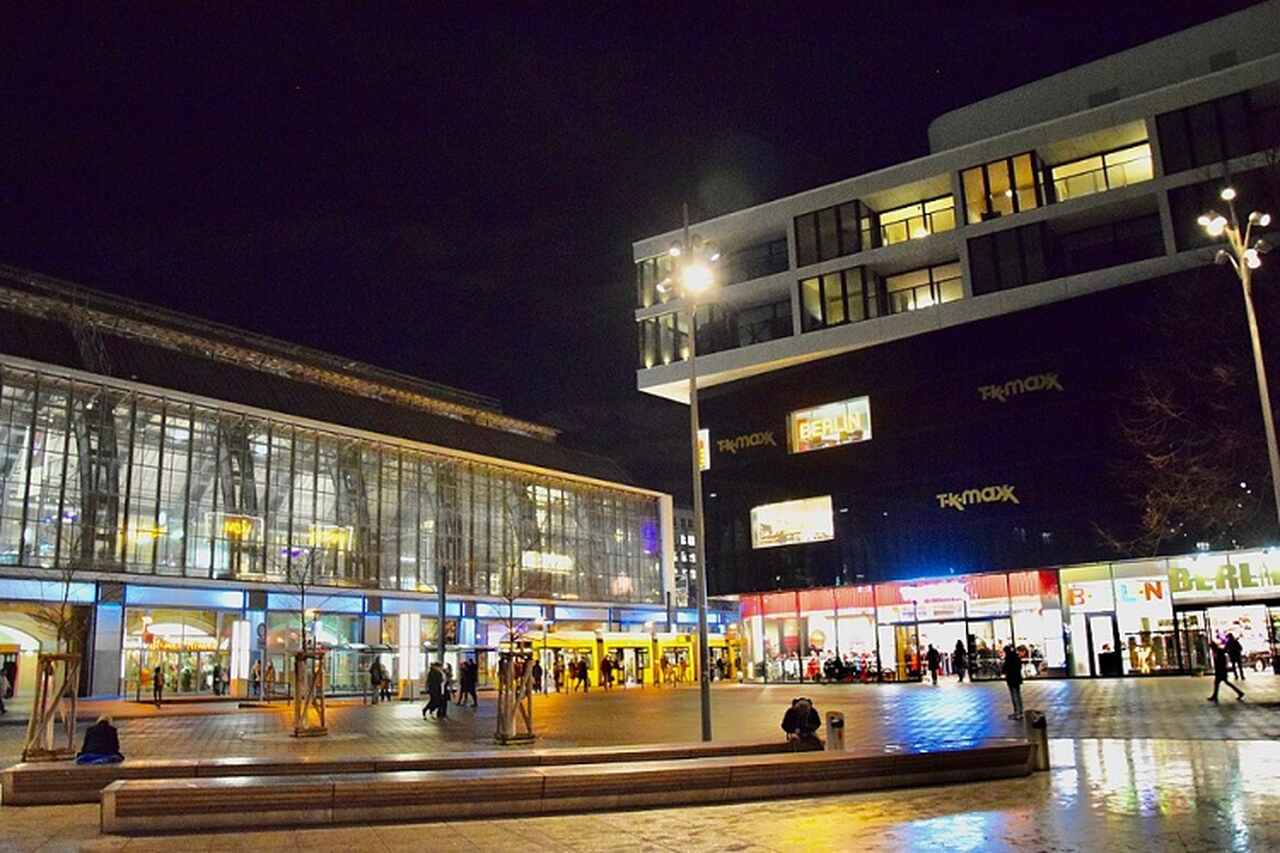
pixel 835 731
pixel 1037 727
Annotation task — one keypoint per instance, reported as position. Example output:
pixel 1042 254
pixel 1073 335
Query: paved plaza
pixel 1138 765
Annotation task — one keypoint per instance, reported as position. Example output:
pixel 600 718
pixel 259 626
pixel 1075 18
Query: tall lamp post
pixel 1244 254
pixel 693 278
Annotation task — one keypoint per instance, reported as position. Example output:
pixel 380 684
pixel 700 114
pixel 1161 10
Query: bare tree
pixel 52 726
pixel 518 581
pixel 1195 469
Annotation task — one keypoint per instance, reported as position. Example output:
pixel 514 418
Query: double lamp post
pixel 1244 255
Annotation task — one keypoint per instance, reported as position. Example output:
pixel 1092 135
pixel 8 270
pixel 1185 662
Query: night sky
pixel 455 195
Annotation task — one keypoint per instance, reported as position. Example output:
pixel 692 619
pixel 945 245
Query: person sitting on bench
pixel 101 744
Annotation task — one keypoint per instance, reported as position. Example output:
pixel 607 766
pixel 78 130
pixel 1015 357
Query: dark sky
pixel 454 195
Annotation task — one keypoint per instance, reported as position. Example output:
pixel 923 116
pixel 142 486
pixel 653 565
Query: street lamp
pixel 1244 254
pixel 694 258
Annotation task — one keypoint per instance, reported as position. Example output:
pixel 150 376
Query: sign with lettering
pixel 704 450
pixel 969 497
pixel 829 425
pixel 744 442
pixel 1015 387
pixel 1246 576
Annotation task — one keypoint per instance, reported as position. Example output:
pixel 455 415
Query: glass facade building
pixel 111 477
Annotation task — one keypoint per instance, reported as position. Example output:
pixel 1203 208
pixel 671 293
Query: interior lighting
pixel 919 232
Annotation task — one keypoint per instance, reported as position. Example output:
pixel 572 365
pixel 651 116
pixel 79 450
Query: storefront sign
pixel 1140 591
pixel 945 591
pixel 1210 577
pixel 829 425
pixel 704 450
pixel 985 495
pixel 1001 393
pixel 1089 596
pixel 743 442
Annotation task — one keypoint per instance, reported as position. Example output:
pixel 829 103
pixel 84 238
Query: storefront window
pixel 1144 615
pixel 1037 621
pixel 187 645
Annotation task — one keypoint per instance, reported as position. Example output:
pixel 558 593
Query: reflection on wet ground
pixel 1102 795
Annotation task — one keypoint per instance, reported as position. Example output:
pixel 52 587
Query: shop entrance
pixel 943 636
pixel 899 652
pixel 1095 635
pixel 987 641
pixel 1255 626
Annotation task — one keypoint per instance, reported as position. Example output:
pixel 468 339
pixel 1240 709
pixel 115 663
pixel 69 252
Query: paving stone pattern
pixel 917 714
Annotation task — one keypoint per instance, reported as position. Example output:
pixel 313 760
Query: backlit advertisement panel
pixel 829 425
pixel 792 523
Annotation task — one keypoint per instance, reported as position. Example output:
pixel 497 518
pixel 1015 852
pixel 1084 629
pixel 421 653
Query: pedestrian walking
pixel 269 683
pixel 470 674
pixel 157 685
pixel 584 676
pixel 1235 654
pixel 385 686
pixel 448 681
pixel 375 680
pixel 958 659
pixel 255 678
pixel 1012 669
pixel 537 676
pixel 934 660
pixel 557 673
pixel 1221 672
pixel 606 672
pixel 4 690
pixel 435 693
pixel 217 679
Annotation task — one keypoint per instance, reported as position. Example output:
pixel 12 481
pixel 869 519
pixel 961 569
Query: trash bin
pixel 1038 734
pixel 835 731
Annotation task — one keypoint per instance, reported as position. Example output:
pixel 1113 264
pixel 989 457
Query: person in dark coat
pixel 435 693
pixel 958 659
pixel 537 676
pixel 1221 672
pixel 157 685
pixel 801 723
pixel 101 744
pixel 469 674
pixel 1235 654
pixel 934 660
pixel 1012 669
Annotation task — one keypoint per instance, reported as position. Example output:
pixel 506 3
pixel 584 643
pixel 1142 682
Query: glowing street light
pixel 1244 254
pixel 695 258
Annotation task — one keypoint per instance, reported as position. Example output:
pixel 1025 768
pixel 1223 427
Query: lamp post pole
pixel 1245 256
pixel 704 656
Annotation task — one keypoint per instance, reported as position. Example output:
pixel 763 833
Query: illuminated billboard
pixel 792 523
pixel 704 450
pixel 829 425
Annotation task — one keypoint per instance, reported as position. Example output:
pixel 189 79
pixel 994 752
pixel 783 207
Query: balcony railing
pixel 756 262
pixel 1109 177
pixel 915 227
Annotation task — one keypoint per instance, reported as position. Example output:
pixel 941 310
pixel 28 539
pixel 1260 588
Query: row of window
pixel 853 227
pixel 665 339
pixel 847 296
pixel 108 479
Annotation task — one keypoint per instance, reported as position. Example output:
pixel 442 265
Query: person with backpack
pixel 1012 669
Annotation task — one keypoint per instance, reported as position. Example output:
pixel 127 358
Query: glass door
pixel 1104 644
pixel 1193 637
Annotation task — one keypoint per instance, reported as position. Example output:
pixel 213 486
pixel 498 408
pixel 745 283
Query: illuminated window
pixel 923 288
pixel 1000 188
pixel 1102 172
pixel 829 425
pixel 833 299
pixel 792 523
pixel 917 220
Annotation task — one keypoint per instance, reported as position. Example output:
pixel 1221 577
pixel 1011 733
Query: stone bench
pixel 56 783
pixel 164 805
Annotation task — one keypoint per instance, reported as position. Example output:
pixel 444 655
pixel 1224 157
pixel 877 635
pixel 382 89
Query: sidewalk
pixel 90 708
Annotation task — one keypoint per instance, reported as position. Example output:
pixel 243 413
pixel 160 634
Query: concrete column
pixel 106 650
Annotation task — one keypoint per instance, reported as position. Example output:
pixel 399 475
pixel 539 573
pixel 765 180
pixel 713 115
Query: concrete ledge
pixel 161 805
pixel 59 783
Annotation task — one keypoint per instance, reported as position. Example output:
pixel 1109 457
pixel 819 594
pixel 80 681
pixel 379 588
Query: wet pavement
pixel 1138 765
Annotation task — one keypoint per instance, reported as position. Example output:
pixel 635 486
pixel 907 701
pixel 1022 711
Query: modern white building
pixel 1086 180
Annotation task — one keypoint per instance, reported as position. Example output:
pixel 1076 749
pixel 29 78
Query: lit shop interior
pixel 1109 619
